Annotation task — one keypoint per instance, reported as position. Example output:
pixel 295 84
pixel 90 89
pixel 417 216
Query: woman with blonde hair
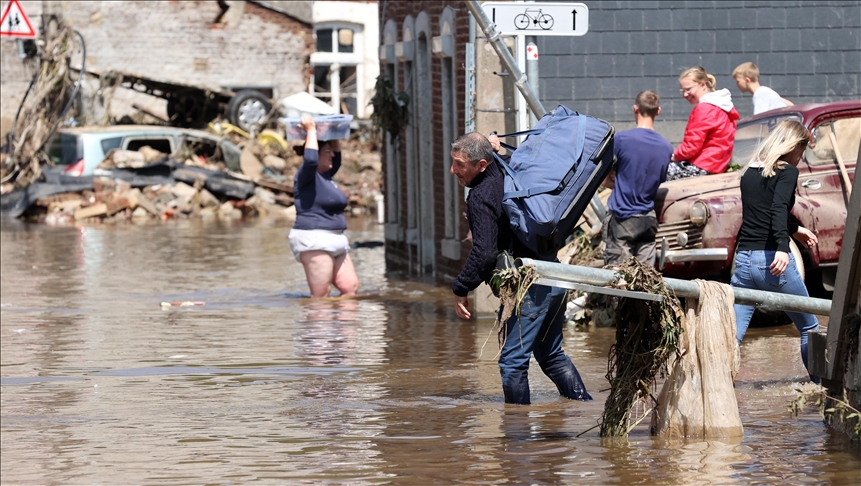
pixel 707 144
pixel 763 260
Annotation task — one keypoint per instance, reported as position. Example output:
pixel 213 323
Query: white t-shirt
pixel 765 98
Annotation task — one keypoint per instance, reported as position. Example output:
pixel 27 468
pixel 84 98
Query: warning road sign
pixel 15 23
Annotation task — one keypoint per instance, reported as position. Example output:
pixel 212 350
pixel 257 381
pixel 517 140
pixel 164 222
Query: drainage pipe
pixel 600 277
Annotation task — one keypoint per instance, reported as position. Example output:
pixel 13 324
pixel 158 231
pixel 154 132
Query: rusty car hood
pixel 695 188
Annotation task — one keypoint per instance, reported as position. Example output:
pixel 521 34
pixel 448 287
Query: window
pixel 329 38
pixel 847 132
pixel 337 72
pixel 109 144
pixel 160 144
pixel 748 136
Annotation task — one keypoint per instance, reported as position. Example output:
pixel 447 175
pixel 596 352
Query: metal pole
pixel 532 72
pixel 493 35
pixel 683 288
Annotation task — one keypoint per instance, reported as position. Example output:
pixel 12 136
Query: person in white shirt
pixel 746 77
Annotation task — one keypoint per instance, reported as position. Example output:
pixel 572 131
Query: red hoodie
pixel 709 137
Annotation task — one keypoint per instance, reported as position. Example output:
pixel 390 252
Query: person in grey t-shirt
pixel 746 77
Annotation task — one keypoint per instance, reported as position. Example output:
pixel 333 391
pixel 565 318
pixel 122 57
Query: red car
pixel 699 218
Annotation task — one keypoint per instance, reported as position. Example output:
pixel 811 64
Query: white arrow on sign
pixel 538 18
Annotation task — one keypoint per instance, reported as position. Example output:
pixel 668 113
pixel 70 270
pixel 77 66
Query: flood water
pixel 101 385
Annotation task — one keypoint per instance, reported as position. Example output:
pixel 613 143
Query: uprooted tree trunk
pixel 698 399
pixel 41 110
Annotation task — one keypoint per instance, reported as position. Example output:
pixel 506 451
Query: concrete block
pixel 615 43
pixel 800 17
pixel 670 42
pixel 742 19
pixel 628 20
pixel 275 163
pixel 250 164
pixel 657 65
pixel 771 63
pixel 586 89
pixel 100 209
pixel 827 17
pixel 799 64
pixel 570 67
pixel 117 204
pixel 715 19
pixel 182 189
pixel 484 302
pixel 147 205
pixel 756 41
pixel 729 41
pixel 771 18
pixel 845 40
pixel 842 85
pixel 643 42
pixel 852 16
pixel 657 20
pixel 599 66
pixel 685 19
pixel 700 41
pixel 133 196
pixel 557 88
pixel 554 45
pixel 613 88
pixel 629 65
pixel 786 40
pixel 830 63
pixel 205 199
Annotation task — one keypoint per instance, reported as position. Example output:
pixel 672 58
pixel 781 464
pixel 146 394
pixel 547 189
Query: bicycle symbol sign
pixel 533 19
pixel 538 18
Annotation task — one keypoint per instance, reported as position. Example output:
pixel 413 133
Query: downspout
pixel 493 35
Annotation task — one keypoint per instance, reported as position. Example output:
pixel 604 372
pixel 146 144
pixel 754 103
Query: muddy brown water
pixel 100 385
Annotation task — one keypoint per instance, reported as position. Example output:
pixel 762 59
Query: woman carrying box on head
pixel 317 238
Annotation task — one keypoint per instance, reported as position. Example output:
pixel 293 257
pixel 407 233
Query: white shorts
pixel 334 243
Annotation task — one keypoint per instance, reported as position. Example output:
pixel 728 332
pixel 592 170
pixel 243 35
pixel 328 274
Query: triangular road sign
pixel 15 23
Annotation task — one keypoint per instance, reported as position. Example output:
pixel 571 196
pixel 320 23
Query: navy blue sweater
pixel 319 202
pixel 490 231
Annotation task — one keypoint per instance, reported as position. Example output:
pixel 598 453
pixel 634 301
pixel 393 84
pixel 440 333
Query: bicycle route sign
pixel 538 18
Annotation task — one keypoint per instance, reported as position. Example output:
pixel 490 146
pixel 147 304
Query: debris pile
pixel 147 184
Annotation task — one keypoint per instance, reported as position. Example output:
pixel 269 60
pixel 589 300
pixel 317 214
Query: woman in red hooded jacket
pixel 707 145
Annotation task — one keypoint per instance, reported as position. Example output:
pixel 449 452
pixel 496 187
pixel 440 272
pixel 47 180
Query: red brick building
pixel 423 50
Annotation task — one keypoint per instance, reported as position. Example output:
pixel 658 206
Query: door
pixel 821 180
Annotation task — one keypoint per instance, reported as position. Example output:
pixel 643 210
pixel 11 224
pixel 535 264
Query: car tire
pixel 248 109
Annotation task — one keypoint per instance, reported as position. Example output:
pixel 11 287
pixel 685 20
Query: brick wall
pixel 178 42
pixel 806 51
pixel 398 254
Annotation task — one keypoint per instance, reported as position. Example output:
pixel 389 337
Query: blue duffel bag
pixel 552 176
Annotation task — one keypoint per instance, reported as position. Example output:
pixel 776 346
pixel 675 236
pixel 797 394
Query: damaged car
pixel 699 218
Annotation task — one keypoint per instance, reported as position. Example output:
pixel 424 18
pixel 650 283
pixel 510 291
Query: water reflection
pixel 101 385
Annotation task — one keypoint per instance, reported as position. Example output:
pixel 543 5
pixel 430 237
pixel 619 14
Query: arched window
pixel 394 231
pixel 443 48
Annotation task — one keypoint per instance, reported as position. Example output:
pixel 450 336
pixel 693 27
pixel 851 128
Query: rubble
pixel 146 184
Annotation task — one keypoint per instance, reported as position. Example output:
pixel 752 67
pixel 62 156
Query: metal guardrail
pixel 559 275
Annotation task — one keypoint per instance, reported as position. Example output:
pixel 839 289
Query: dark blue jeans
pixel 752 272
pixel 538 330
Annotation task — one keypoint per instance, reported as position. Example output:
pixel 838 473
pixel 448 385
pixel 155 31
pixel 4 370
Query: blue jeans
pixel 752 272
pixel 538 330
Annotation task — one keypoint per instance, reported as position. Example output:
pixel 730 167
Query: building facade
pixel 807 52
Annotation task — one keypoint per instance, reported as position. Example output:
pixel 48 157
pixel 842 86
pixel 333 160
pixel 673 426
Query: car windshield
pixel 748 136
pixel 64 149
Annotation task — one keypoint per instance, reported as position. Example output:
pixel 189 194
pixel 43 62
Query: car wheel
pixel 248 109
